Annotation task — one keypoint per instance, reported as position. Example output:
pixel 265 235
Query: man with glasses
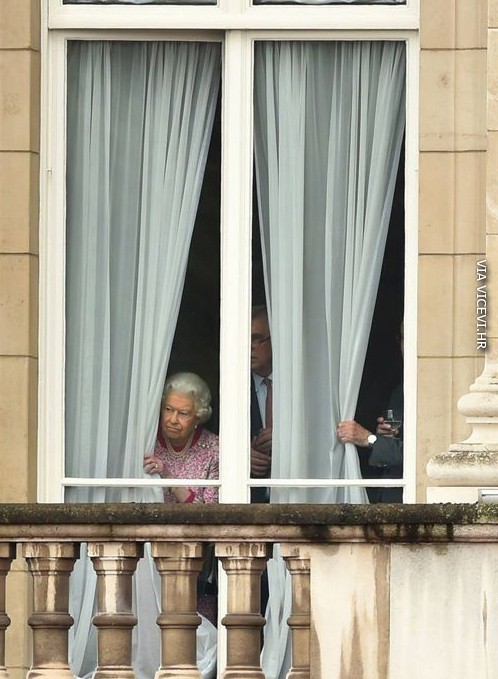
pixel 261 400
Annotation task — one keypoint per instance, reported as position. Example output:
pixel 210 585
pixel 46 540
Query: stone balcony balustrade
pixel 358 538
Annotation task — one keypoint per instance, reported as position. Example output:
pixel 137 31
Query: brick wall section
pixel 19 180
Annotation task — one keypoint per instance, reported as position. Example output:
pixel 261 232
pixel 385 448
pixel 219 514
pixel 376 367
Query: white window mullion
pixel 233 15
pixel 136 17
pixel 236 218
pixel 411 268
pixel 234 7
pixel 52 275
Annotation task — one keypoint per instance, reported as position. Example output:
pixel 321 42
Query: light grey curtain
pixel 139 123
pixel 329 124
pixel 329 2
pixel 255 2
pixel 140 2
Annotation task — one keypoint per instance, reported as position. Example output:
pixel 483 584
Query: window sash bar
pixel 231 15
pixel 254 483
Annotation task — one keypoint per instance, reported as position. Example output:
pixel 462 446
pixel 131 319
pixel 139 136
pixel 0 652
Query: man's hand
pixel 260 464
pixel 385 429
pixel 350 431
pixel 262 441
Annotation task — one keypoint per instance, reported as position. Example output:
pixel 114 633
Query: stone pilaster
pixel 474 462
pixel 115 564
pixel 50 565
pixel 179 565
pixel 243 562
pixel 298 566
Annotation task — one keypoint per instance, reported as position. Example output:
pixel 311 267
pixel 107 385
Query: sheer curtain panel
pixel 138 127
pixel 329 123
pixel 140 2
pixel 329 2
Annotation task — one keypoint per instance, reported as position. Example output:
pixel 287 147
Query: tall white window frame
pixel 237 25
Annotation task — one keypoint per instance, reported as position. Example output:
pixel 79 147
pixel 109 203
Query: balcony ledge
pixel 262 523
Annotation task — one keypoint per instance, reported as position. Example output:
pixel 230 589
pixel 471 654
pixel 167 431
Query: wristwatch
pixel 371 438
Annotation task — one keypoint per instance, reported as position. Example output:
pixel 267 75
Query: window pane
pixel 139 125
pixel 309 495
pixel 329 125
pixel 329 2
pixel 140 2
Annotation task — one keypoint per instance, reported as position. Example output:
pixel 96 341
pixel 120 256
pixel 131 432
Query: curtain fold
pixel 139 122
pixel 140 2
pixel 256 2
pixel 328 2
pixel 329 124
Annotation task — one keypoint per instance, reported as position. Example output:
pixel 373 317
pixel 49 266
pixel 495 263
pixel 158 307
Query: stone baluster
pixel 7 553
pixel 50 565
pixel 243 562
pixel 179 565
pixel 299 621
pixel 115 564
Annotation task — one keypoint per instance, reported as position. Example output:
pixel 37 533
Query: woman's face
pixel 178 417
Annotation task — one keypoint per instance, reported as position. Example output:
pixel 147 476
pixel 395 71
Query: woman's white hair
pixel 193 386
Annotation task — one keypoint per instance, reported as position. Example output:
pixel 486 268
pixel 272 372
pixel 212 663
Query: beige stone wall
pixel 19 167
pixel 492 178
pixel 19 180
pixel 452 215
pixel 385 612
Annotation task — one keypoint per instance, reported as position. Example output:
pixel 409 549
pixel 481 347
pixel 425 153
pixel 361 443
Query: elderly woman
pixel 184 449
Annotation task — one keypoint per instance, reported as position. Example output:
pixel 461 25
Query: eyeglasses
pixel 257 340
pixel 182 414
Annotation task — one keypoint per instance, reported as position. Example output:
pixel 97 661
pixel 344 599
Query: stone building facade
pixel 458 226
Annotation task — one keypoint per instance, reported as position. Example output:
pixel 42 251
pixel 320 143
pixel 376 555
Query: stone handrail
pixel 265 523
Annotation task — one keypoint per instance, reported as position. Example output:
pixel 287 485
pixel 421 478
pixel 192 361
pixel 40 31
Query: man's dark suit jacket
pixel 258 495
pixel 385 458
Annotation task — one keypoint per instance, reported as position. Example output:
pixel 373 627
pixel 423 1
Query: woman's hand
pixel 153 465
pixel 183 494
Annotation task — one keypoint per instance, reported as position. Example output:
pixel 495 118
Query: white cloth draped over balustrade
pixel 140 116
pixel 329 125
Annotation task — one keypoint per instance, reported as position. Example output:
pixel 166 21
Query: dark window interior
pixel 196 345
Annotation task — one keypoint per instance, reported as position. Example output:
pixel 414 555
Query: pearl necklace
pixel 183 451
